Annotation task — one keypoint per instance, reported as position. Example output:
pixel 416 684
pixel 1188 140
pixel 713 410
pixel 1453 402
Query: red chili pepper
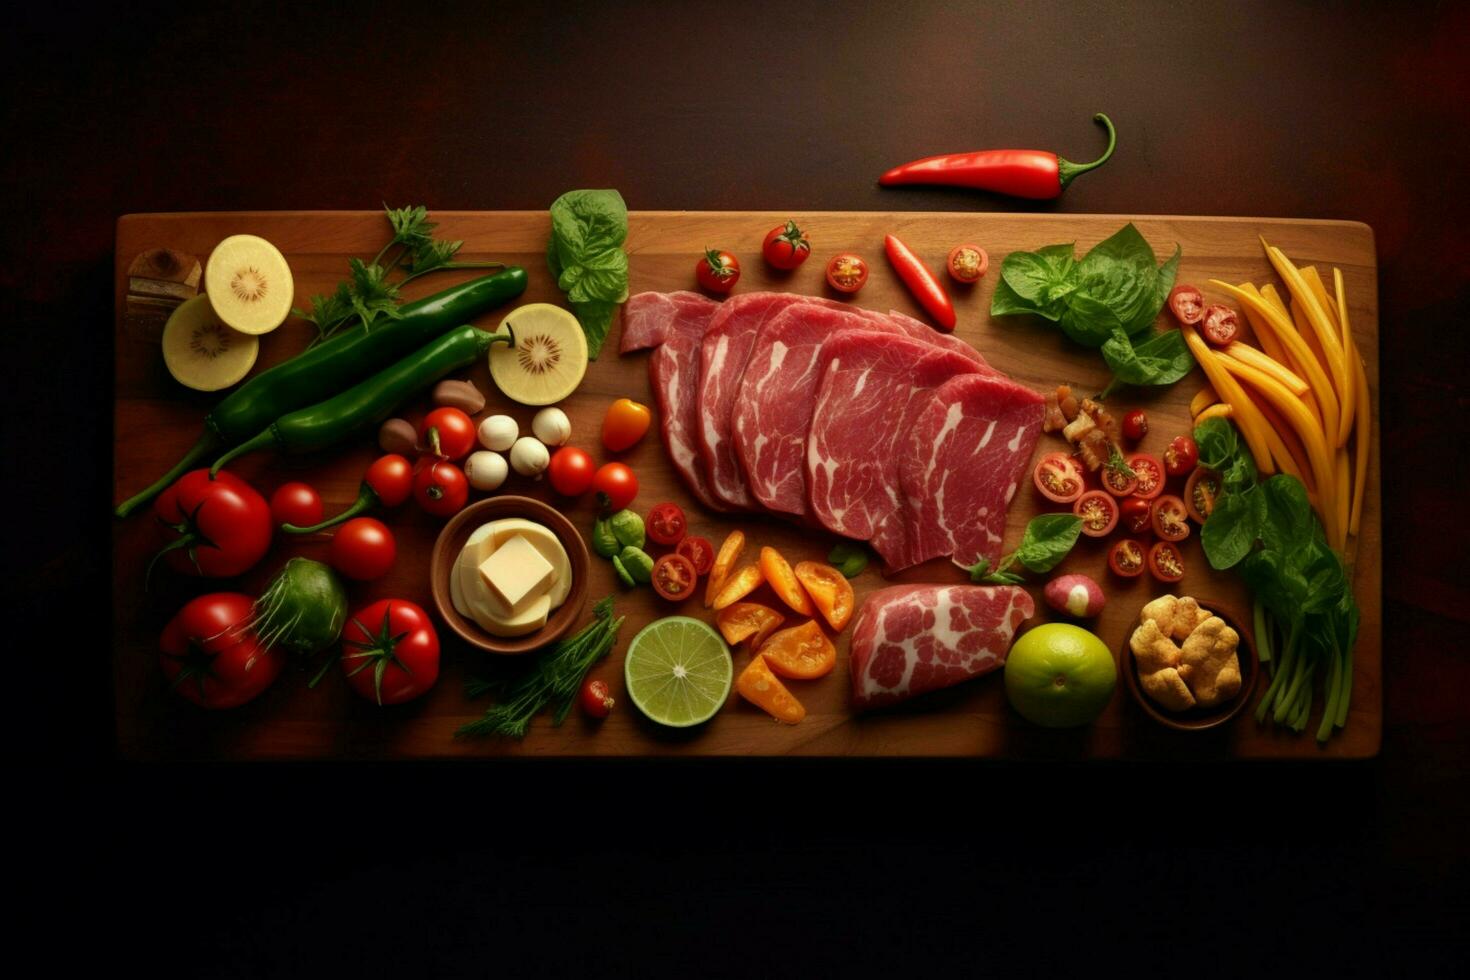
pixel 922 282
pixel 1020 173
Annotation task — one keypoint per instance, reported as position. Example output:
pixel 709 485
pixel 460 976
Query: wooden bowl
pixel 451 542
pixel 1198 719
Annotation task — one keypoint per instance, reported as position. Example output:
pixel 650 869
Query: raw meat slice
pixel 873 385
pixel 674 324
pixel 919 330
pixel 966 453
pixel 909 639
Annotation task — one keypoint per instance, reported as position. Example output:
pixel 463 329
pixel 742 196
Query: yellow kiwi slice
pixel 548 358
pixel 201 352
pixel 249 284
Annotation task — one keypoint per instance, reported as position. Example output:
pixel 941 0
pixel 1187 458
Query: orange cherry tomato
pixel 802 653
pixel 778 572
pixel 760 687
pixel 967 263
pixel 830 592
pixel 725 560
pixel 739 585
pixel 748 621
pixel 624 424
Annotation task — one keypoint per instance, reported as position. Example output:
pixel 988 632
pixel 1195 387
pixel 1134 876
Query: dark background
pixel 1355 111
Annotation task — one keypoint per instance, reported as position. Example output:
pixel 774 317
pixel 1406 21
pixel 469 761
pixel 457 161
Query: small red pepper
pixel 921 281
pixel 1035 174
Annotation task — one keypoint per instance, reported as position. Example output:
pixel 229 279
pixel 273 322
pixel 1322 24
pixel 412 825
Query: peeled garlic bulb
pixel 485 470
pixel 552 426
pixel 499 432
pixel 529 457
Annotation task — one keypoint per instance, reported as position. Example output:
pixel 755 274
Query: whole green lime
pixel 1059 675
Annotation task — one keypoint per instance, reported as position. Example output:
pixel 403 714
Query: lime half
pixel 678 671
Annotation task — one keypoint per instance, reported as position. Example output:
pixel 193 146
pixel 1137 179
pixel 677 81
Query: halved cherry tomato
pixel 1181 456
pixel 748 620
pixel 699 551
pixel 1136 516
pixel 1127 558
pixel 725 559
pixel 738 586
pixel 1099 513
pixel 1059 478
pixel 1116 481
pixel 1200 493
pixel 786 246
pixel 717 271
pixel 777 571
pixel 1170 519
pixel 760 687
pixel 666 525
pixel 674 578
pixel 847 272
pixel 1186 303
pixel 1135 424
pixel 1165 563
pixel 616 486
pixel 448 432
pixel 1221 326
pixel 802 653
pixel 967 263
pixel 624 424
pixel 1150 473
pixel 830 592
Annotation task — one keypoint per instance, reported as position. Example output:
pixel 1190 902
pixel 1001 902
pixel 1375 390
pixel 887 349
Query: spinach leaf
pixel 1232 528
pixel 1048 539
pixel 1287 520
pixel 587 222
pixel 1161 360
pixel 585 254
pixel 596 319
pixel 1220 449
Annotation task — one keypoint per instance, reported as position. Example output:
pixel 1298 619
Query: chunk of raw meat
pixel 909 639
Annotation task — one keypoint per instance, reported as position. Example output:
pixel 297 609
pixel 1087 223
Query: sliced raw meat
pixel 919 330
pixel 873 385
pixel 674 324
pixel 909 639
pixel 967 451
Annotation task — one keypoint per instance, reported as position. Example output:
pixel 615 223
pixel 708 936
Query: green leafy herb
pixel 1047 540
pixel 585 254
pixel 849 559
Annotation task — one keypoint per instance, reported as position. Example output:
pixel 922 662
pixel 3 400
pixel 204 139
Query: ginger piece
pixel 1174 616
pixel 1209 662
pixel 1158 658
pixel 1168 689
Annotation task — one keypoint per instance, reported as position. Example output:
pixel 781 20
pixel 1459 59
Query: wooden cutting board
pixel 156 420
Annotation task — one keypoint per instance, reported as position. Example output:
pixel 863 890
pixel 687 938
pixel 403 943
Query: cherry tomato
pixel 1058 477
pixel 717 271
pixel 1116 481
pixel 216 527
pixel 596 699
pixel 1181 456
pixel 390 652
pixel 666 525
pixel 1186 303
pixel 211 656
pixel 571 471
pixel 451 429
pixel 786 246
pixel 967 263
pixel 1137 515
pixel 1170 519
pixel 391 478
pixel 441 488
pixel 846 272
pixel 296 503
pixel 1200 493
pixel 1165 563
pixel 616 486
pixel 625 423
pixel 1150 474
pixel 674 577
pixel 363 549
pixel 1127 558
pixel 699 551
pixel 1221 326
pixel 1099 513
pixel 1135 424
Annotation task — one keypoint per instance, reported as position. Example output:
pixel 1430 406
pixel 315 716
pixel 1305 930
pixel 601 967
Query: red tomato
pixel 717 271
pixel 1165 563
pixel 596 699
pixel 441 488
pixel 1137 515
pixel 1135 424
pixel 1187 303
pixel 451 430
pixel 211 656
pixel 847 272
pixel 699 551
pixel 391 478
pixel 1201 491
pixel 1099 513
pixel 216 528
pixel 1127 558
pixel 1116 481
pixel 1058 477
pixel 1221 326
pixel 666 525
pixel 1170 519
pixel 786 246
pixel 616 486
pixel 390 652
pixel 674 578
pixel 1181 456
pixel 1150 474
pixel 296 503
pixel 363 549
pixel 967 263
pixel 571 471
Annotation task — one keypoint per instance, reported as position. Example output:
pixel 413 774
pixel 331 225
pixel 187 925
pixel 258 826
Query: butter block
pixel 517 574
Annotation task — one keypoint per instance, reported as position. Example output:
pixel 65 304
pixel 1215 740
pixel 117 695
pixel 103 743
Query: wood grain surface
pixel 156 420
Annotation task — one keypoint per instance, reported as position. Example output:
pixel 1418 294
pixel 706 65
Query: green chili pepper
pixel 627 527
pixel 622 571
pixel 638 563
pixel 604 542
pixel 329 367
pixel 368 402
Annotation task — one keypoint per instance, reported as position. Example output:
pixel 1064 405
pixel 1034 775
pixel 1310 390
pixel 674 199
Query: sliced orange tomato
pixel 748 620
pixel 830 592
pixel 802 653
pixel 739 585
pixel 760 687
pixel 725 560
pixel 783 581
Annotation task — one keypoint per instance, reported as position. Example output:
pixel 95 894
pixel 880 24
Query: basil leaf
pixel 1045 277
pixel 1232 528
pixel 591 221
pixel 1161 360
pixel 849 559
pixel 1005 302
pixel 1048 539
pixel 977 571
pixel 603 277
pixel 1089 322
pixel 1164 283
pixel 585 254
pixel 1001 578
pixel 596 318
pixel 1121 274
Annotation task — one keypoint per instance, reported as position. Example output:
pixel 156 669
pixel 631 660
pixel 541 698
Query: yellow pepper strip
pixel 1249 420
pixel 1349 394
pixel 1317 317
pixel 1301 467
pixel 1265 336
pixel 1309 337
pixel 1270 295
pixel 1344 506
pixel 1319 290
pixel 1219 410
pixel 1203 400
pixel 1363 433
pixel 1247 354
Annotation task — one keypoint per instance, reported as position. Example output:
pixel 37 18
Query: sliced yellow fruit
pixel 249 284
pixel 201 352
pixel 548 359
